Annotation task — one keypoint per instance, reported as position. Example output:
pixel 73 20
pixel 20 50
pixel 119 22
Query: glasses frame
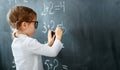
pixel 35 23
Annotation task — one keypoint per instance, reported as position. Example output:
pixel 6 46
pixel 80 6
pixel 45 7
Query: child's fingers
pixel 58 27
pixel 49 33
pixel 54 36
pixel 49 30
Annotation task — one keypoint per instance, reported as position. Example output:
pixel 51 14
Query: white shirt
pixel 26 51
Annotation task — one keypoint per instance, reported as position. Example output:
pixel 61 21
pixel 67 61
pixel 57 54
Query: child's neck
pixel 21 32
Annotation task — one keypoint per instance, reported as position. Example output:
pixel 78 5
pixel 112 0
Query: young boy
pixel 26 49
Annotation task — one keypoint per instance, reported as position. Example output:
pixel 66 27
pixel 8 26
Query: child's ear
pixel 24 25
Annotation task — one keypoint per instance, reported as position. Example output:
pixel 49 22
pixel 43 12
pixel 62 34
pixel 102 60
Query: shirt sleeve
pixel 43 49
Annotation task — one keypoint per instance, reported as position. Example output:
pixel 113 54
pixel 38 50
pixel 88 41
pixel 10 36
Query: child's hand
pixel 50 38
pixel 58 33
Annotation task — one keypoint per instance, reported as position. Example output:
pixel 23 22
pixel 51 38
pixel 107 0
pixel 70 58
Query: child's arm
pixel 45 49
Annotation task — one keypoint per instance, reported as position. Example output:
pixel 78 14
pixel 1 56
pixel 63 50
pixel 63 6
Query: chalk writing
pixel 52 7
pixel 60 6
pixel 13 64
pixel 54 64
pixel 51 25
pixel 44 29
pixel 16 1
pixel 47 26
pixel 65 67
pixel 49 9
pixel 47 63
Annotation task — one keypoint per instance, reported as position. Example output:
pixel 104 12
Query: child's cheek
pixel 32 30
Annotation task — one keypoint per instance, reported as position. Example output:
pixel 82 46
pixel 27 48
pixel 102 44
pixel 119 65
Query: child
pixel 26 49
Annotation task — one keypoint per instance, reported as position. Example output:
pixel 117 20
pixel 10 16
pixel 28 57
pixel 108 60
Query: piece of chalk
pixel 53 33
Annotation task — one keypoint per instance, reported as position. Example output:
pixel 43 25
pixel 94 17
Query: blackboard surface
pixel 91 33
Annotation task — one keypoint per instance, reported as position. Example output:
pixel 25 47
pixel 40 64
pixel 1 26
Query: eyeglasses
pixel 35 23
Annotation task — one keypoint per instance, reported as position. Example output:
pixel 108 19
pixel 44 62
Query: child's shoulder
pixel 30 38
pixel 24 38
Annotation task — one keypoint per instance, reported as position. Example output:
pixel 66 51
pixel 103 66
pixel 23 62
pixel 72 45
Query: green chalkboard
pixel 91 33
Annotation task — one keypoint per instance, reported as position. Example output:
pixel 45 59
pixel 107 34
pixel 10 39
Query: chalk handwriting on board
pixel 60 6
pixel 55 61
pixel 13 64
pixel 51 25
pixel 47 9
pixel 47 63
pixel 52 7
pixel 65 67
pixel 46 26
pixel 16 1
pixel 52 65
pixel 44 29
